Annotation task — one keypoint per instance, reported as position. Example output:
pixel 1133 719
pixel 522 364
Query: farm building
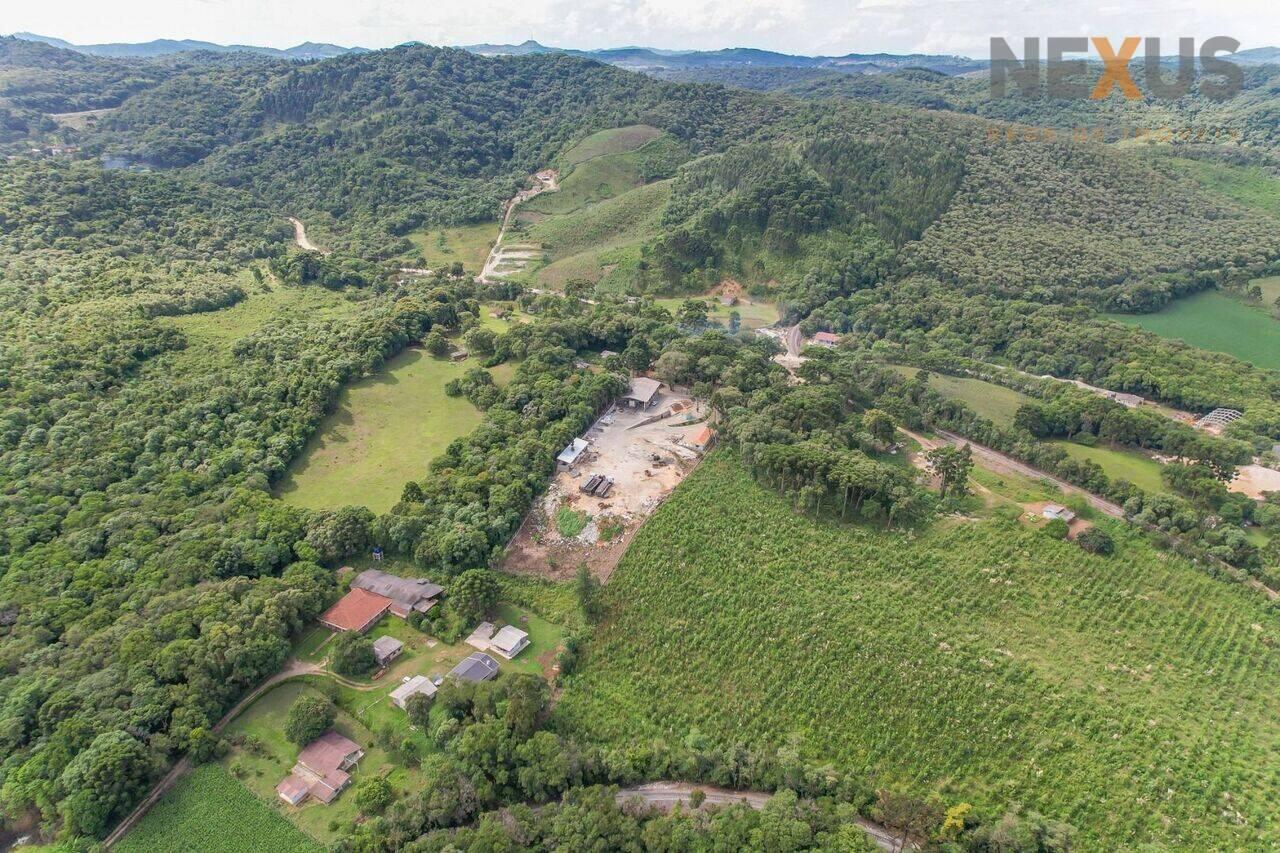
pixel 1216 420
pixel 702 439
pixel 1131 401
pixel 509 642
pixel 356 611
pixel 321 769
pixel 826 339
pixel 480 637
pixel 419 684
pixel 570 455
pixel 1052 511
pixel 407 595
pixel 476 667
pixel 642 394
pixel 386 649
pixel 458 355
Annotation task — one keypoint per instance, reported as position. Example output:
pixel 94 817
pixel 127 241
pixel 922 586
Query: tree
pixel 436 343
pixel 374 794
pixel 473 594
pixel 692 313
pixel 879 425
pixel 587 588
pixel 102 782
pixel 1096 540
pixel 352 654
pixel 308 718
pixel 952 465
pixel 418 709
pixel 1056 528
pixel 906 814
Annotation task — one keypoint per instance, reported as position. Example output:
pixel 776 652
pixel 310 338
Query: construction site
pixel 608 481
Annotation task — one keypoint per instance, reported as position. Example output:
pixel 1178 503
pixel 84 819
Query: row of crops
pixel 1132 696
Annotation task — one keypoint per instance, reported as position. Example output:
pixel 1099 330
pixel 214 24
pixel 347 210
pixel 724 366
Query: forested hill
pixel 370 147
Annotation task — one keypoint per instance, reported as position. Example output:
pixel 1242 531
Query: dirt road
pixel 292 669
pixel 300 237
pixel 544 181
pixel 665 795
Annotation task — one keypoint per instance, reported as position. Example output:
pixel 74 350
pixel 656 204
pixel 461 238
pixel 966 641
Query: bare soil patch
pixel 646 454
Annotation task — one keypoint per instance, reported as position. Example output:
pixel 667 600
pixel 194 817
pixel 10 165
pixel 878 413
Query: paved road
pixel 293 669
pixel 300 237
pixel 666 794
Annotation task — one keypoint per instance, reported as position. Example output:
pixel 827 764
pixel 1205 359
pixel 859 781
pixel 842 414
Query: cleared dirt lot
pixel 1254 480
pixel 646 461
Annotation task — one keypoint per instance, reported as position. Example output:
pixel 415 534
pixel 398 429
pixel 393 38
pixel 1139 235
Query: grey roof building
pixel 476 667
pixel 406 594
pixel 642 392
pixel 386 649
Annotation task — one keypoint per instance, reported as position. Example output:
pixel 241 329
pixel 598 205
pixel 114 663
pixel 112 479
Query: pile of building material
pixel 598 485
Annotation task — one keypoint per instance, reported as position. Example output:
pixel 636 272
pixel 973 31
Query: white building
pixel 509 642
pixel 412 687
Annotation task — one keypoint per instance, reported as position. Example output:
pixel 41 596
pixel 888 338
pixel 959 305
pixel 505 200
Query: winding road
pixel 300 237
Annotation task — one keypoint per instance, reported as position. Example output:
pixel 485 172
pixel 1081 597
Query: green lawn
pixel 1270 290
pixel 1213 321
pixel 982 660
pixel 615 140
pixel 995 402
pixel 590 182
pixel 1120 464
pixel 440 247
pixel 386 430
pixel 211 812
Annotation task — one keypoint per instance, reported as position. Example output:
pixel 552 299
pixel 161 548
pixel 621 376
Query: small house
pixel 458 355
pixel 509 642
pixel 386 649
pixel 321 770
pixel 1130 401
pixel 826 339
pixel 480 637
pixel 642 394
pixel 418 685
pixel 476 667
pixel 572 452
pixel 1055 511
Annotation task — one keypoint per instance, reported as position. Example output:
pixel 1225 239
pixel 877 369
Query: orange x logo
pixel 1115 70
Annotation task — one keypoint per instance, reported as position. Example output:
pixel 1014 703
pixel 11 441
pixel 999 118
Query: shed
pixel 509 642
pixel 642 394
pixel 826 339
pixel 481 636
pixel 569 456
pixel 386 649
pixel 1052 511
pixel 703 438
pixel 419 684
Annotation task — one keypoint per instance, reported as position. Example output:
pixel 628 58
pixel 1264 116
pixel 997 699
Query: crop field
pixel 995 402
pixel 1121 464
pixel 211 812
pixel 612 141
pixel 385 431
pixel 1132 695
pixel 470 244
pixel 1213 321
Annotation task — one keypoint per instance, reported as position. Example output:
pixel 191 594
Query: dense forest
pixel 147 576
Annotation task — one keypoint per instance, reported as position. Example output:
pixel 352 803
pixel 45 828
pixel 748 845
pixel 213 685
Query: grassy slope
pixel 612 141
pixel 753 315
pixel 385 431
pixel 1128 694
pixel 995 402
pixel 1249 185
pixel 1212 321
pixel 467 243
pixel 1120 464
pixel 211 812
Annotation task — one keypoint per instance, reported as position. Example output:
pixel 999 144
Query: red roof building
pixel 356 611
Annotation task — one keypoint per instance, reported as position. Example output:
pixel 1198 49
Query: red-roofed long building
pixel 356 611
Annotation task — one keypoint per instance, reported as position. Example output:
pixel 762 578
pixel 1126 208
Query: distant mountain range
pixel 648 58
pixel 164 47
pixel 634 58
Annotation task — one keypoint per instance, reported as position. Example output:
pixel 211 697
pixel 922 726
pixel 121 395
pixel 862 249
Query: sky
pixel 812 27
